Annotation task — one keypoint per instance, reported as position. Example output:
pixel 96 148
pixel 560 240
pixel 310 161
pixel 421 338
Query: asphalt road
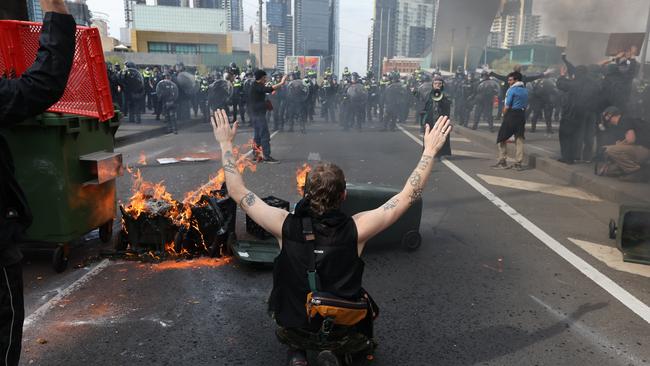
pixel 482 289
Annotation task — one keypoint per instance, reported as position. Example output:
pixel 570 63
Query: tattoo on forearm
pixel 415 180
pixel 248 200
pixel 415 195
pixel 424 162
pixel 228 165
pixel 391 204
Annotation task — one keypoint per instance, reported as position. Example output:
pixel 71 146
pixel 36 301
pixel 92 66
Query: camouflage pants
pixel 341 341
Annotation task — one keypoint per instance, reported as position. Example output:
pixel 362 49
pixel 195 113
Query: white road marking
pixel 471 154
pixel 459 139
pixel 622 295
pixel 45 308
pixel 587 333
pixel 251 151
pixel 612 257
pixel 524 185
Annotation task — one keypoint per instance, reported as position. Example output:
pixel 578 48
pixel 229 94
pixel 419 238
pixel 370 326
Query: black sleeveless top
pixel 339 267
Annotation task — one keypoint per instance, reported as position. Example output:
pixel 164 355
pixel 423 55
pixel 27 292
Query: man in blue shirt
pixel 514 122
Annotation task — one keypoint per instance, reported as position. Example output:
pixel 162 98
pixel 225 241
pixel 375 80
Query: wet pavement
pixel 481 290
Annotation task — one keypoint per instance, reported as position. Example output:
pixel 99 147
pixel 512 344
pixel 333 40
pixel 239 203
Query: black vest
pixel 339 267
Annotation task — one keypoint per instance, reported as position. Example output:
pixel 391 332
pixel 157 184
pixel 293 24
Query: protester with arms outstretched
pixel 339 239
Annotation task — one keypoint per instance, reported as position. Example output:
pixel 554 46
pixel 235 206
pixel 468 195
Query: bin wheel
pixel 122 243
pixel 411 241
pixel 106 232
pixel 60 258
pixel 612 229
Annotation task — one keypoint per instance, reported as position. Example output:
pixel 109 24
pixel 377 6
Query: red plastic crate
pixel 88 91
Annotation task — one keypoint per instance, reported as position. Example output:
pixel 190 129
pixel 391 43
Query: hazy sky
pixel 557 16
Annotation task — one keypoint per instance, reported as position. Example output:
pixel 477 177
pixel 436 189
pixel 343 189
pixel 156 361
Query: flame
pixel 258 153
pixel 145 193
pixel 143 158
pixel 301 177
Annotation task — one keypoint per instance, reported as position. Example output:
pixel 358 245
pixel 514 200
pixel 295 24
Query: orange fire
pixel 145 192
pixel 258 153
pixel 143 158
pixel 301 178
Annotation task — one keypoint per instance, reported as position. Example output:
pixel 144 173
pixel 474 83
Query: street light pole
pixel 644 49
pixel 261 66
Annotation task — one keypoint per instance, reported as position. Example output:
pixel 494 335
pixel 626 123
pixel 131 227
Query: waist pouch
pixel 341 311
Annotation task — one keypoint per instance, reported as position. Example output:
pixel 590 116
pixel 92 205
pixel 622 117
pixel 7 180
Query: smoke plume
pixel 606 16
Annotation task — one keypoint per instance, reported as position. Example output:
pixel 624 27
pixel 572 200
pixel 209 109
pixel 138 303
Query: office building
pixel 414 28
pixel 315 30
pixel 382 39
pixel 514 25
pixel 79 10
pixel 34 11
pixel 279 22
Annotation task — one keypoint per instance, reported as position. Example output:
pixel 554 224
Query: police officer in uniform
pixel 486 90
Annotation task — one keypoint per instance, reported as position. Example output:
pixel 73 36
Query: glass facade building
pixel 34 10
pixel 179 19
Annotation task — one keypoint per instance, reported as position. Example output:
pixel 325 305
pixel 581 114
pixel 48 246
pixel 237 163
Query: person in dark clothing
pixel 257 107
pixel 578 113
pixel 37 89
pixel 437 105
pixel 338 240
pixel 628 146
pixel 486 90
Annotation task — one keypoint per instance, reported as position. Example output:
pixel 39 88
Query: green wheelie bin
pixel 405 233
pixel 67 167
pixel 632 233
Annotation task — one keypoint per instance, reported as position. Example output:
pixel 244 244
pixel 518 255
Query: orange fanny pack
pixel 341 311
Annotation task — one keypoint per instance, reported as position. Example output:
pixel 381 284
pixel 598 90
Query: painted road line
pixel 524 185
pixel 597 340
pixel 251 151
pixel 459 139
pixel 612 257
pixel 53 302
pixel 622 295
pixel 471 154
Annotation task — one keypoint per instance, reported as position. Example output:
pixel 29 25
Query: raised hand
pixel 434 138
pixel 223 132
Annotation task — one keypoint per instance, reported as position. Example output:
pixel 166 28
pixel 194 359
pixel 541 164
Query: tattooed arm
pixel 270 218
pixel 371 223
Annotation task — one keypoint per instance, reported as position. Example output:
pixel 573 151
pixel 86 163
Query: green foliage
pixel 114 59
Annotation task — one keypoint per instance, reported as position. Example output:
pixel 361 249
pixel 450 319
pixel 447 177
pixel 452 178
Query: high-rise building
pixel 79 10
pixel 417 17
pixel 315 30
pixel 235 9
pixel 382 39
pixel 280 28
pixel 34 10
pixel 514 25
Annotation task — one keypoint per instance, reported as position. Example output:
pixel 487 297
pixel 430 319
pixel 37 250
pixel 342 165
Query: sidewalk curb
pixel 591 183
pixel 156 132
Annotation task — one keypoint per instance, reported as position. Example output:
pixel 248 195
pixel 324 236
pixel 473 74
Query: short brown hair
pixel 325 187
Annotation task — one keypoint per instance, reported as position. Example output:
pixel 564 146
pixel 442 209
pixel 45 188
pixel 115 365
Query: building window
pixel 182 48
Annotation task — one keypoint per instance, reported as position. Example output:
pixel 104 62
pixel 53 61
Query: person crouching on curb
pixel 321 249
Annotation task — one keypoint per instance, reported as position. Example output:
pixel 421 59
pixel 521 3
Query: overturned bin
pixel 67 167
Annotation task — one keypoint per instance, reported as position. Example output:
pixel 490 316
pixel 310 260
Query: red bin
pixel 88 91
